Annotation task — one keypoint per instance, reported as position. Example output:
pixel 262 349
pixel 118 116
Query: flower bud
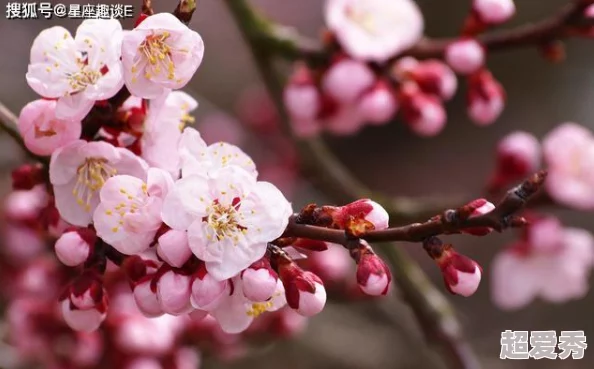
pixel 361 216
pixel 494 11
pixel 84 305
pixel 518 155
pixel 304 290
pixel 259 281
pixel 378 105
pixel 424 113
pixel 74 247
pixel 479 207
pixel 173 248
pixel 435 78
pixel 173 293
pixel 27 176
pixel 485 98
pixel 461 274
pixel 373 275
pixel 301 96
pixel 146 300
pixel 207 292
pixel 346 80
pixel 465 56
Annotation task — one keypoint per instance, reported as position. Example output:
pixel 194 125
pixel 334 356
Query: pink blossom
pixel 79 170
pixel 304 290
pixel 436 78
pixel 302 98
pixel 236 312
pixel 424 113
pixel 461 274
pixel 146 299
pixel 25 205
pixel 494 11
pixel 557 272
pixel 486 98
pixel 207 292
pixel 74 247
pixel 232 221
pixel 77 71
pixel 161 53
pixel 465 56
pixel 129 213
pixel 378 105
pixel 346 80
pixel 42 132
pixel 365 210
pixel 84 308
pixel 374 29
pixel 259 281
pixel 173 293
pixel 196 158
pixel 173 248
pixel 569 153
pixel 518 155
pixel 163 128
pixel 479 207
pixel 373 275
pixel 345 121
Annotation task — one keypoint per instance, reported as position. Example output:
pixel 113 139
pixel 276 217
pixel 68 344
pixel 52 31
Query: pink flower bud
pixel 424 113
pixel 366 209
pixel 173 248
pixel 494 11
pixel 461 274
pixel 144 363
pixel 301 96
pixel 146 299
pixel 86 320
pixel 480 206
pixel 404 67
pixel 373 275
pixel 259 281
pixel 73 247
pixel 345 121
pixel 518 155
pixel 465 56
pixel 435 78
pixel 378 105
pixel 304 290
pixel 207 292
pixel 346 80
pixel 173 293
pixel 486 98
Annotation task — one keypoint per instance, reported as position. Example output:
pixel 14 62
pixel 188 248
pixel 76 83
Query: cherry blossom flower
pixel 374 29
pixel 160 54
pixel 373 275
pixel 173 293
pixel 378 105
pixel 199 159
pixel 465 56
pixel 85 306
pixel 173 248
pixel 259 281
pixel 77 71
pixel 461 274
pixel 74 247
pixel 303 102
pixel 163 129
pixel 42 132
pixel 304 290
pixel 229 216
pixel 424 113
pixel 129 212
pixel 79 170
pixel 236 312
pixel 436 78
pixel 569 154
pixel 486 98
pixel 346 80
pixel 518 155
pixel 551 262
pixel 207 292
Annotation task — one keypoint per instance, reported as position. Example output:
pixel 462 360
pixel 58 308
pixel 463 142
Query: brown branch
pixel 288 44
pixel 451 221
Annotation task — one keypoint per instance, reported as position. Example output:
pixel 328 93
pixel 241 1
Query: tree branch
pixel 431 308
pixel 288 44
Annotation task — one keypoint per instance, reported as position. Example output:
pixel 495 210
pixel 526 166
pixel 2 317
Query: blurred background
pixel 388 158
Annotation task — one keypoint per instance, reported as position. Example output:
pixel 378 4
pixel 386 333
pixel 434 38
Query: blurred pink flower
pixel 517 156
pixel 378 105
pixel 465 56
pixel 569 154
pixel 552 262
pixel 494 11
pixel 485 98
pixel 346 80
pixel 424 114
pixel 374 29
